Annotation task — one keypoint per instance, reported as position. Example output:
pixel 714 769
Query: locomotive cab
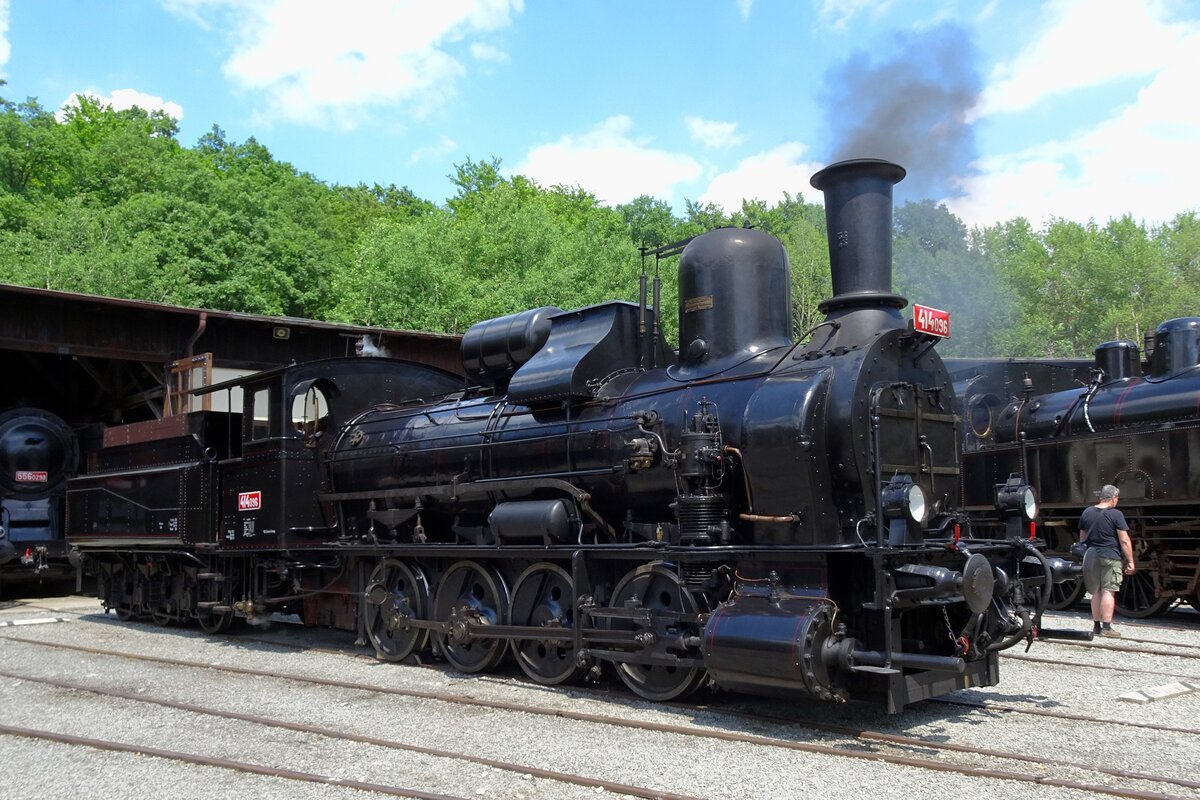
pixel 289 419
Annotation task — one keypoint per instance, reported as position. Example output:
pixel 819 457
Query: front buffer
pixel 776 635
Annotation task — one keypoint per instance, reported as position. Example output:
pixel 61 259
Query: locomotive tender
pixel 1134 424
pixel 772 515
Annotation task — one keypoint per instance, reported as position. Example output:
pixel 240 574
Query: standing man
pixel 1103 528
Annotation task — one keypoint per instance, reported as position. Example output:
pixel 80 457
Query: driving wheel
pixel 471 595
pixel 1066 594
pixel 396 594
pixel 544 597
pixel 1138 597
pixel 671 606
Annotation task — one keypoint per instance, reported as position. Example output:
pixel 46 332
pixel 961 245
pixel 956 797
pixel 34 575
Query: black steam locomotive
pixel 772 515
pixel 1131 423
pixel 38 454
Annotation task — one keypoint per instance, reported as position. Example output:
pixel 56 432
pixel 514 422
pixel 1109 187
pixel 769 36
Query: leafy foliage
pixel 109 202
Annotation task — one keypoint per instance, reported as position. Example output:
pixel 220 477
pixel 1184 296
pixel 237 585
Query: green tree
pixel 934 264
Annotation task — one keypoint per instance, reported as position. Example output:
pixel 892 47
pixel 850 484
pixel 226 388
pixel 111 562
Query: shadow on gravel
pixel 20 586
pixel 790 719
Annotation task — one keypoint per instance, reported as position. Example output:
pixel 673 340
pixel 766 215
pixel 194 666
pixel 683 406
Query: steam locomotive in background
pixel 39 452
pixel 766 514
pixel 1119 420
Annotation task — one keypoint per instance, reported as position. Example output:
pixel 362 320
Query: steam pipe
pixel 657 313
pixel 878 470
pixel 642 341
pixel 199 332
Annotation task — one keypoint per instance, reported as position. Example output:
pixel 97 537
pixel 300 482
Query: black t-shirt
pixel 1101 526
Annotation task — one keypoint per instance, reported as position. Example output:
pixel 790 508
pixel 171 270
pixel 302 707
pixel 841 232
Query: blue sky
pixel 1083 109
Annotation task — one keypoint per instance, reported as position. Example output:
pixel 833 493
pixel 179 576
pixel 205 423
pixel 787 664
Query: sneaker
pixel 1111 633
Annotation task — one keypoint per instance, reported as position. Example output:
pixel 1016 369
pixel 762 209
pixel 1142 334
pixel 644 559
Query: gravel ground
pixel 668 762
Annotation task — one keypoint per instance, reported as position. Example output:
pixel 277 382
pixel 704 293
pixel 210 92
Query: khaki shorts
pixel 1111 574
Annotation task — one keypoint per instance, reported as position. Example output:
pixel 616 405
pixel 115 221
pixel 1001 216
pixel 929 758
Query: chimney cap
pixel 856 167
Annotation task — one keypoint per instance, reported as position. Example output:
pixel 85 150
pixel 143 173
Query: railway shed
pixel 105 360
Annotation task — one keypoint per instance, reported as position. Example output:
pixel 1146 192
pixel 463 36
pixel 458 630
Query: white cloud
pixel 444 146
pixel 1085 43
pixel 1140 161
pixel 610 163
pixel 5 47
pixel 765 176
pixel 986 12
pixel 328 64
pixel 837 14
pixel 122 99
pixel 744 7
pixel 487 52
pixel 712 133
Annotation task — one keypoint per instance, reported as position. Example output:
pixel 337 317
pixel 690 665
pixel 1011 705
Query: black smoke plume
pixel 909 105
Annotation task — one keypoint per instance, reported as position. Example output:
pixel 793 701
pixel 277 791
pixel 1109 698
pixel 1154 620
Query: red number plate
pixel 933 321
pixel 28 476
pixel 248 501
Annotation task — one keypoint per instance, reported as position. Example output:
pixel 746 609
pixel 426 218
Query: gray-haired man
pixel 1103 528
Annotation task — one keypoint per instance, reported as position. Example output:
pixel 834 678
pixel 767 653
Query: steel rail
pixel 1049 712
pixel 537 772
pixel 915 741
pixel 1117 647
pixel 1077 664
pixel 692 731
pixel 221 763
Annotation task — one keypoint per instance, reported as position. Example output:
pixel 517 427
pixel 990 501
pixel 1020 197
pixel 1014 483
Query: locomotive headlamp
pixel 904 499
pixel 1017 498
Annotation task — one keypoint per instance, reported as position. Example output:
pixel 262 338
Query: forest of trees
pixel 110 202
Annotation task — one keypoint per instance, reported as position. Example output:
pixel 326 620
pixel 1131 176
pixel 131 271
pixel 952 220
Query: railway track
pixel 886 747
pixel 1121 647
pixel 989 705
pixel 220 763
pixel 562 777
pixel 1107 667
pixel 348 653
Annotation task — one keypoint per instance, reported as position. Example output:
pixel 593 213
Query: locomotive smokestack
pixel 858 217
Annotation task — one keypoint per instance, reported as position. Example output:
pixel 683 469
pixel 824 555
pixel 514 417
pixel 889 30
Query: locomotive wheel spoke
pixel 396 592
pixel 471 594
pixel 1138 598
pixel 544 596
pixel 1066 595
pixel 657 589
